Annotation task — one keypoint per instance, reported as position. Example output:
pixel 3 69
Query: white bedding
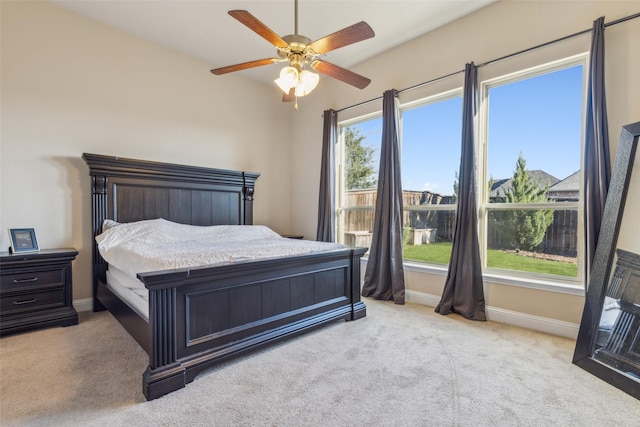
pixel 131 291
pixel 610 312
pixel 158 244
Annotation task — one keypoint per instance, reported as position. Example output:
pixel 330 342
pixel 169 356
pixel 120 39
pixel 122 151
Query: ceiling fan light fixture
pixel 307 82
pixel 300 53
pixel 288 78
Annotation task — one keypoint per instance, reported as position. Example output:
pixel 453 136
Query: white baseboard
pixel 422 298
pixel 84 304
pixel 496 314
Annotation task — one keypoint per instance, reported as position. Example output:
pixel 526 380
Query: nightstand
pixel 36 290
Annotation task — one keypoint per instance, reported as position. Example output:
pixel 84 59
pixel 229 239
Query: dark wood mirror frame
pixel 603 263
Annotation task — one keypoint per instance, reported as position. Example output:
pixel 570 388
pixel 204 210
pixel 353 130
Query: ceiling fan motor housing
pixel 298 52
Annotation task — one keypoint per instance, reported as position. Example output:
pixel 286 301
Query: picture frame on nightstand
pixel 23 240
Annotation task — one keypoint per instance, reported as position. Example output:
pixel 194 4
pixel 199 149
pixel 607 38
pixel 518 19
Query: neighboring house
pixel 567 190
pixel 501 187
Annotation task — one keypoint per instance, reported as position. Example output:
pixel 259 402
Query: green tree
pixel 526 227
pixel 456 188
pixel 360 167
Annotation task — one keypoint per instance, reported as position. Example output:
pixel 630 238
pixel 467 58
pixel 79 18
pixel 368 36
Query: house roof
pixel 570 183
pixel 500 187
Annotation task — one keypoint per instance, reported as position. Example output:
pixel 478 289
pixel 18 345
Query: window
pixel 531 199
pixel 430 146
pixel 358 163
pixel 529 152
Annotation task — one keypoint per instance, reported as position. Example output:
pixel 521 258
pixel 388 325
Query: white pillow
pixel 109 224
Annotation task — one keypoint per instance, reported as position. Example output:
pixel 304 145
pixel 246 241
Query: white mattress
pixel 131 291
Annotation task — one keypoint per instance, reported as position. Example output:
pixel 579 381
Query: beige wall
pixel 71 85
pixel 495 31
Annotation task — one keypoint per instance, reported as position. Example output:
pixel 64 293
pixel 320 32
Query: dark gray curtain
pixel 597 167
pixel 463 291
pixel 326 202
pixel 384 276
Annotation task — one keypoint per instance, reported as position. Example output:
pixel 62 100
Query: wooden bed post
pixel 249 180
pixel 99 207
pixel 358 308
pixel 164 373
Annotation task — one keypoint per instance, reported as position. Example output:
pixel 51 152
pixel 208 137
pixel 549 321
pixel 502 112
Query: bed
pixel 201 316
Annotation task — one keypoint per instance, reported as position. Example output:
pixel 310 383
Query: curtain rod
pixel 579 33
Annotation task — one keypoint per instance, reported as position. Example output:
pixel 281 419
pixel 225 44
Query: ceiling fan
pixel 303 56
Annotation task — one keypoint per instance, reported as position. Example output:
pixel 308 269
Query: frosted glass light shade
pixel 307 82
pixel 288 79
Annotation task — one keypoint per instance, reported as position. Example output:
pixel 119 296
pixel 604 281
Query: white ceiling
pixel 204 30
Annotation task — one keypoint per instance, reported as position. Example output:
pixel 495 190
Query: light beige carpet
pixel 399 366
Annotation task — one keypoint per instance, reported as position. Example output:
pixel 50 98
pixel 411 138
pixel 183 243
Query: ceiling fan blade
pixel 346 36
pixel 244 66
pixel 341 74
pixel 289 97
pixel 258 27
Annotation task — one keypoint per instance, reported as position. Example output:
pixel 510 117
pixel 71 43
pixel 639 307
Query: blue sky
pixel 540 117
pixel 431 146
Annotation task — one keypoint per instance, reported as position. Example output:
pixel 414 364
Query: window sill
pixel 534 283
pixel 419 267
pixel 530 283
pixel 437 270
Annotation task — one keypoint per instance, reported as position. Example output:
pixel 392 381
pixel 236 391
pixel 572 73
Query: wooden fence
pixel 362 220
pixel 560 238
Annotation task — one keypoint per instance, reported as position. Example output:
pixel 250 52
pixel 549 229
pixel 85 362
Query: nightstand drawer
pixel 34 278
pixel 36 290
pixel 29 301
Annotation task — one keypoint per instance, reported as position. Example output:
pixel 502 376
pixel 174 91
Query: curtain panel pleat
pixel 326 203
pixel 463 291
pixel 597 166
pixel 384 275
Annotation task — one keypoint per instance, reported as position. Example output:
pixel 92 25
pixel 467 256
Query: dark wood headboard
pixel 127 190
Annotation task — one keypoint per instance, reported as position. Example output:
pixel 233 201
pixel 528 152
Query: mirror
pixel 608 344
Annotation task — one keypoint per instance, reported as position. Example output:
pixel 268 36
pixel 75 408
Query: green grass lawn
pixel 433 252
pixel 440 253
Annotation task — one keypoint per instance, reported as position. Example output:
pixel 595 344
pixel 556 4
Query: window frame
pixel 484 206
pixel 545 282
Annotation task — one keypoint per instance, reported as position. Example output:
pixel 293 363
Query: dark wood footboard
pixel 201 317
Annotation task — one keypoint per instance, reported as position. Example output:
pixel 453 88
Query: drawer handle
pixel 32 279
pixel 28 301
